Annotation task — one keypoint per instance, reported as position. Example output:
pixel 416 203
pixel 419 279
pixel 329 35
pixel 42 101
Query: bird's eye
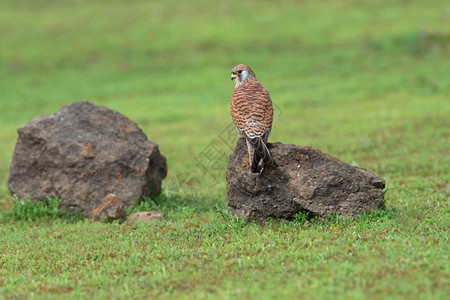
pixel 239 71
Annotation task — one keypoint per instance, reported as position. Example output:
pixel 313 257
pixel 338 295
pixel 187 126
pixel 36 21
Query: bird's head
pixel 241 73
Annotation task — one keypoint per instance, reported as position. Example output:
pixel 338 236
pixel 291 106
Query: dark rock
pixel 301 179
pixel 111 208
pixel 145 216
pixel 82 153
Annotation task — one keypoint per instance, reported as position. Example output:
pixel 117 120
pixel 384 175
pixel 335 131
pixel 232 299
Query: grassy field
pixel 365 81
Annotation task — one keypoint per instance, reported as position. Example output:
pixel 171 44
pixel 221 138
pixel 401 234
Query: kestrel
pixel 252 113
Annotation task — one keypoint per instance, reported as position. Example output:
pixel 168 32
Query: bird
pixel 252 113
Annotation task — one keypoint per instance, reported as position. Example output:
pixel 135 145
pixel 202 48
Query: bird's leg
pixel 250 152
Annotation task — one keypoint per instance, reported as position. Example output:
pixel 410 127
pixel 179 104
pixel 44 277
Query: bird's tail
pixel 260 151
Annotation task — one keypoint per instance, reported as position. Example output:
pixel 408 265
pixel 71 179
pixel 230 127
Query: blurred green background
pixel 365 81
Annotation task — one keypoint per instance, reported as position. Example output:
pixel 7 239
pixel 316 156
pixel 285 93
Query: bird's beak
pixel 233 76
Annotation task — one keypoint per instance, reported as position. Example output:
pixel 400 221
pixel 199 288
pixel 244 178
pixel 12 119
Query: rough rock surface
pixel 111 208
pixel 82 153
pixel 299 179
pixel 145 216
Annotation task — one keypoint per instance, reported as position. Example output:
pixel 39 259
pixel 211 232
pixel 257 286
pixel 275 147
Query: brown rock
pixel 145 216
pixel 111 208
pixel 82 153
pixel 299 179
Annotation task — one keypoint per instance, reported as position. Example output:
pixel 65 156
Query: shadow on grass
pixel 179 208
pixel 46 210
pixel 176 203
pixel 49 209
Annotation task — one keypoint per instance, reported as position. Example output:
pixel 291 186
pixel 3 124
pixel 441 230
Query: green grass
pixel 365 81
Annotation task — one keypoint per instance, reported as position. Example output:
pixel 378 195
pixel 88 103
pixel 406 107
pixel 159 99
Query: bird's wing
pixel 251 109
